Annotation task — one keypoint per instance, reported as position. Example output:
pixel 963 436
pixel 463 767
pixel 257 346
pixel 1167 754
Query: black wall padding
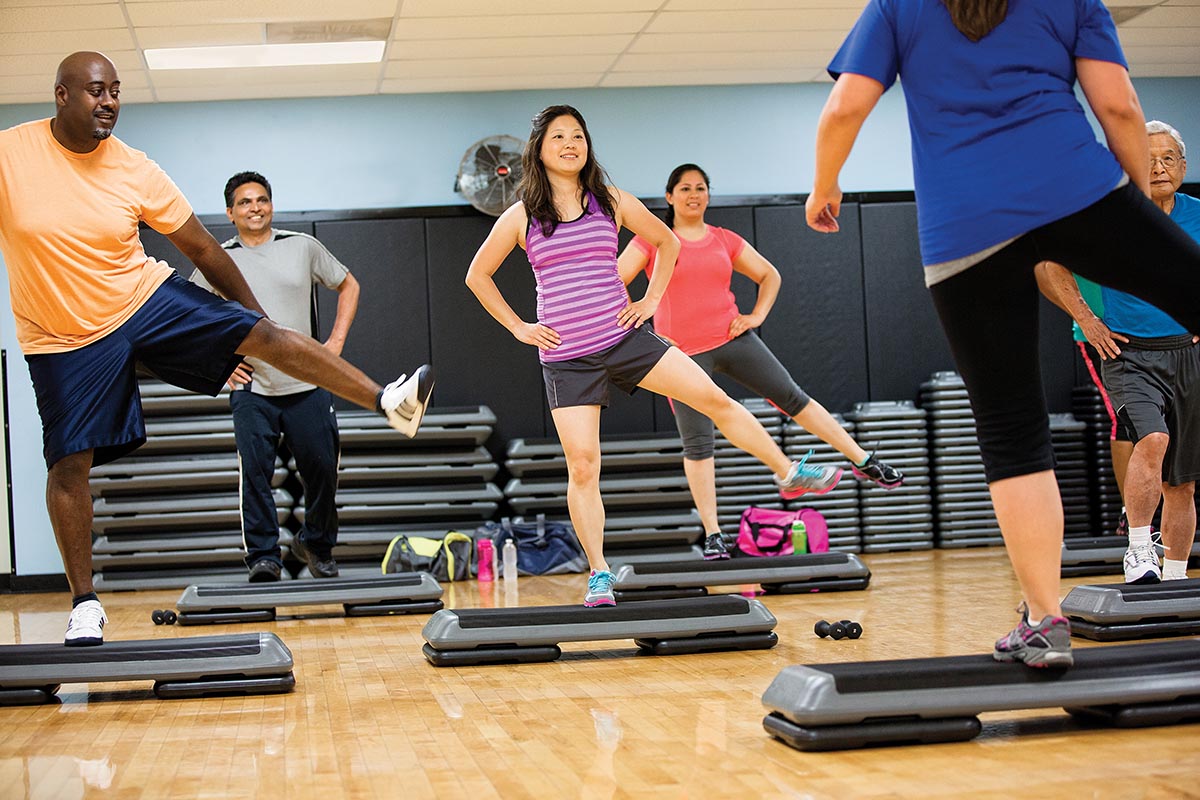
pixel 390 334
pixel 905 342
pixel 816 328
pixel 477 360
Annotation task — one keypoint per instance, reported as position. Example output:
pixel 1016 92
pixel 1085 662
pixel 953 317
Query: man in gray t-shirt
pixel 268 406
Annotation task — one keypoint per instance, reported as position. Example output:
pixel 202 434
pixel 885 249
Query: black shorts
pixel 584 381
pixel 1155 387
pixel 88 398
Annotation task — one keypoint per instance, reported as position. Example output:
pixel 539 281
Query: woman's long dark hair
pixel 975 19
pixel 673 180
pixel 534 190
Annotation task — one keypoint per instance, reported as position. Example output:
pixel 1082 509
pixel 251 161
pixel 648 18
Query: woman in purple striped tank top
pixel 588 332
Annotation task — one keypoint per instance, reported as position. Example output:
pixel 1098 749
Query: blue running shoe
pixel 802 479
pixel 600 591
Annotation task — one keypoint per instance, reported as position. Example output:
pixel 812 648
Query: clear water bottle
pixel 487 560
pixel 510 559
pixel 799 537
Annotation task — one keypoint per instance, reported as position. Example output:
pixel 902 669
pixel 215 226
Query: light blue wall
pixel 403 150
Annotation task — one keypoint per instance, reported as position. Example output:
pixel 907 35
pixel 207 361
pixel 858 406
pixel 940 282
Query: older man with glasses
pixel 1153 378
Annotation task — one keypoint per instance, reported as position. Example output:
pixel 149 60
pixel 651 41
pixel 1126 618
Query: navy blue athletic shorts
pixel 88 398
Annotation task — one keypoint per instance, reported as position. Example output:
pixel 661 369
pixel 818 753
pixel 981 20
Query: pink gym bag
pixel 768 532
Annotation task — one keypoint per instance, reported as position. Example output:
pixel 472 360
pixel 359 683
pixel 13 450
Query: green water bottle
pixel 799 536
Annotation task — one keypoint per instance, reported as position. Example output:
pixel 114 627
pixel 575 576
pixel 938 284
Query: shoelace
pixel 89 616
pixel 802 468
pixel 600 582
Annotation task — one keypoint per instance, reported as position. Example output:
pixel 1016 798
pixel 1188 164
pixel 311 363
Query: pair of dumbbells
pixel 846 629
pixel 160 617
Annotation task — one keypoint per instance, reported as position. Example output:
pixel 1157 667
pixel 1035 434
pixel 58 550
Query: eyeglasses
pixel 1168 161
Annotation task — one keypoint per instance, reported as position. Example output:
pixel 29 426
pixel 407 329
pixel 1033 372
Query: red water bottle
pixel 487 560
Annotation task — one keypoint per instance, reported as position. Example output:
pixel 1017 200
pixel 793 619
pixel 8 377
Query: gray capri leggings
pixel 752 364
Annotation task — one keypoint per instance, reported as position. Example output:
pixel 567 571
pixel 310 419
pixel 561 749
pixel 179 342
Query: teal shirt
pixel 1094 297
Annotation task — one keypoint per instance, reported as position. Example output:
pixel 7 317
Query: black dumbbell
pixel 853 629
pixel 170 618
pixel 157 617
pixel 835 630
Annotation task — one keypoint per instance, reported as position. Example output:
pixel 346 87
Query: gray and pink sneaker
pixel 1048 644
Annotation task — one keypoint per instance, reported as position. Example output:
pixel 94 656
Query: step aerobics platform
pixel 406 593
pixel 1119 611
pixel 249 663
pixel 663 627
pixel 927 700
pixel 795 574
pixel 1102 555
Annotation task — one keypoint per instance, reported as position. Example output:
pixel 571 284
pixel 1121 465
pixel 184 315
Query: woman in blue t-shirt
pixel 1008 173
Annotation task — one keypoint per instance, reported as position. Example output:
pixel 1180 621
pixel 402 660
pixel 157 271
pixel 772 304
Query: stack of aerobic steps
pixel 389 484
pixel 840 506
pixel 649 514
pixel 1105 500
pixel 901 518
pixel 1067 436
pixel 168 515
pixel 742 480
pixel 963 506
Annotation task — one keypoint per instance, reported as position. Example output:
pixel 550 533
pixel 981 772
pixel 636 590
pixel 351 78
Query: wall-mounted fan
pixel 489 173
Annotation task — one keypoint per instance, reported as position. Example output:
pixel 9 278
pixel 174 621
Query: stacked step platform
pixel 168 515
pixel 649 510
pixel 900 518
pixel 388 484
pixel 1068 437
pixel 1103 496
pixel 742 480
pixel 965 517
pixel 840 506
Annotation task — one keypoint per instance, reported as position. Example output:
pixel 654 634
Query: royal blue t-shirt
pixel 1000 144
pixel 1125 313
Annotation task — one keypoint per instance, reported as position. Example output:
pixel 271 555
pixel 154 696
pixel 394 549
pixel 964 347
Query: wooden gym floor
pixel 370 718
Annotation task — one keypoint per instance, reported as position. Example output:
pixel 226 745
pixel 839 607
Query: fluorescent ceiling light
pixel 265 55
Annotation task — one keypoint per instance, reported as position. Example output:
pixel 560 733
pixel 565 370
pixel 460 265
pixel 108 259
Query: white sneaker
pixel 86 625
pixel 404 400
pixel 1141 565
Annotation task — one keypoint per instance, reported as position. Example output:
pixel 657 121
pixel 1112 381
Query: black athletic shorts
pixel 584 381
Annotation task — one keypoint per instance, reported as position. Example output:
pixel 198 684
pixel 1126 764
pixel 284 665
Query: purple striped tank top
pixel 579 291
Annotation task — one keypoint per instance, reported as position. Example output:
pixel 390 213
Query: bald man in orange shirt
pixel 89 304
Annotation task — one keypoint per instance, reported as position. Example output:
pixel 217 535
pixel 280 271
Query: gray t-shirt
pixel 281 273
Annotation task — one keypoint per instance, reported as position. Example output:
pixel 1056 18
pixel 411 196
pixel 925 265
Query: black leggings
pixel 990 313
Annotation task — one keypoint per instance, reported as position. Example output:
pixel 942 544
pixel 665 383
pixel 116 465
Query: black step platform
pixel 406 593
pixel 662 627
pixel 1102 555
pixel 1119 611
pixel 925 700
pixel 795 574
pixel 249 663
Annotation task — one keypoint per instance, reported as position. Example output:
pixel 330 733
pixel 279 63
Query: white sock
pixel 1174 570
pixel 1139 537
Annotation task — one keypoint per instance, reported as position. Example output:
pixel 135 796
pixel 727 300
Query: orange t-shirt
pixel 698 307
pixel 69 235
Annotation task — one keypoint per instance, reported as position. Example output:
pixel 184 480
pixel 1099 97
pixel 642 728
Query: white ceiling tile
pixel 781 5
pixel 46 64
pixel 60 18
pixel 130 79
pixel 1163 70
pixel 233 78
pixel 706 77
pixel 264 91
pixel 516 65
pixel 499 48
pixel 1163 55
pixel 513 27
pixel 493 83
pixel 670 62
pixel 472 8
pixel 1167 17
pixel 1159 36
pixel 708 21
pixel 218 11
pixel 734 42
pixel 56 3
pixel 201 35
pixel 135 96
pixel 14 98
pixel 63 43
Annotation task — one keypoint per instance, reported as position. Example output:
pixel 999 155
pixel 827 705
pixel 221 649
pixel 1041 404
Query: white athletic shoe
pixel 1141 565
pixel 404 400
pixel 86 625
